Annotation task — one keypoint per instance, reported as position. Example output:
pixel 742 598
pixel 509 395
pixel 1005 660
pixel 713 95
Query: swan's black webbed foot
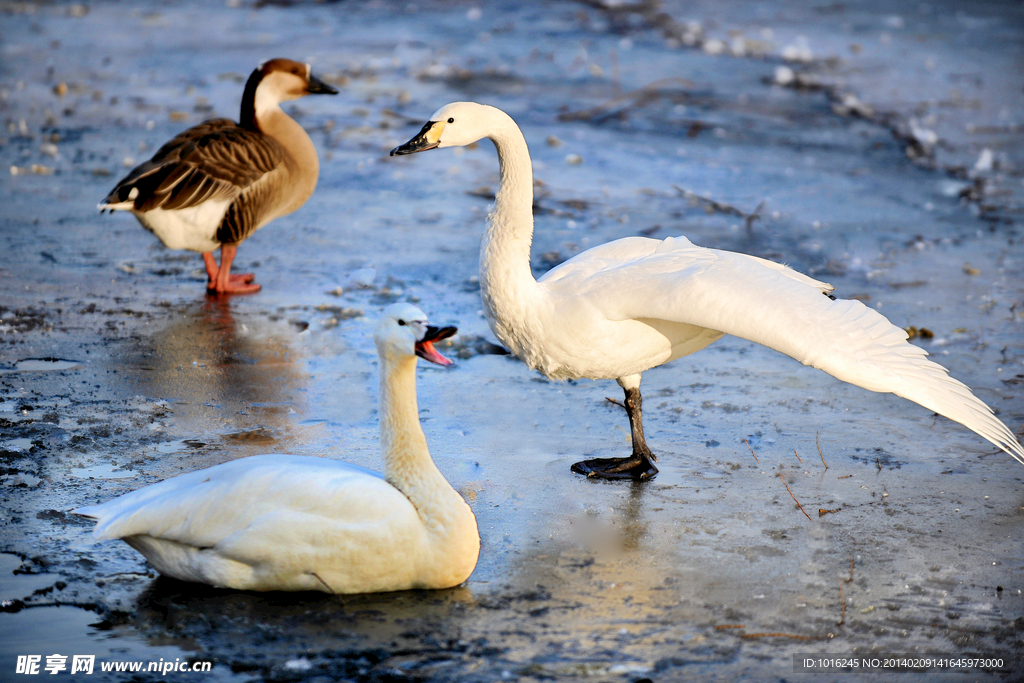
pixel 635 467
pixel 640 465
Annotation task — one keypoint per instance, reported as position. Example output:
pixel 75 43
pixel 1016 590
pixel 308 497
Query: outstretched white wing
pixel 771 304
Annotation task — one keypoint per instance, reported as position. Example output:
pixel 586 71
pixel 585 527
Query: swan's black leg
pixel 640 465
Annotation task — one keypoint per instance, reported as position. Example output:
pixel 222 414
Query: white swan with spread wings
pixel 624 307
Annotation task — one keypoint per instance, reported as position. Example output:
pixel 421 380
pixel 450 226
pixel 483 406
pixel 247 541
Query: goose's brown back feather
pixel 218 159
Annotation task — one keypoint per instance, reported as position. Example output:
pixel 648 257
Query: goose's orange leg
pixel 219 278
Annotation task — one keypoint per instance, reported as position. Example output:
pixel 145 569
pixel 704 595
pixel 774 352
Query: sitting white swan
pixel 621 308
pixel 288 522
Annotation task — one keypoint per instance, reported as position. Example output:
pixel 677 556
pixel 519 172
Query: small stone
pixel 713 46
pixel 985 161
pixel 784 75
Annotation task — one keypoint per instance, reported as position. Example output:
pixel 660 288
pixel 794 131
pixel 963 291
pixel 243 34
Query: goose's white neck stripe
pixel 267 100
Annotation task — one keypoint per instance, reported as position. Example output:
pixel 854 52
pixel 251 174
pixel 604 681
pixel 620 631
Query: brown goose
pixel 217 183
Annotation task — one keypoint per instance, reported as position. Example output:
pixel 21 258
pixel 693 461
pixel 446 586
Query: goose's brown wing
pixel 217 159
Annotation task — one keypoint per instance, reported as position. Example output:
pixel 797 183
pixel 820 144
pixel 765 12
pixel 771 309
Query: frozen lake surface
pixel 885 153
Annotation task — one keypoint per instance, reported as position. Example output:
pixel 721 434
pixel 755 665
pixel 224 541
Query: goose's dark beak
pixel 425 347
pixel 318 87
pixel 428 138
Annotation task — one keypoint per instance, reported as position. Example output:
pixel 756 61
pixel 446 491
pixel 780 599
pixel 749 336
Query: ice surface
pixel 576 578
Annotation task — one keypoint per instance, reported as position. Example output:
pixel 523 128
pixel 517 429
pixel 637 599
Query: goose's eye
pixel 451 120
pixel 401 322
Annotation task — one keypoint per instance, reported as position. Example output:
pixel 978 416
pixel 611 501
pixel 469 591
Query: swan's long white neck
pixel 509 291
pixel 407 462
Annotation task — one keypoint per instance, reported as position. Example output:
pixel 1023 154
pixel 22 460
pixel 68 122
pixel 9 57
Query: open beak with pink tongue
pixel 425 347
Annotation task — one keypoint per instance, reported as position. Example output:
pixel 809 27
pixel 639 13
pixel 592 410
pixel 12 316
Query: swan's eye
pixel 401 322
pixel 451 120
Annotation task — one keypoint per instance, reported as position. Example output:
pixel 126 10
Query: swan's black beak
pixel 318 87
pixel 425 347
pixel 428 138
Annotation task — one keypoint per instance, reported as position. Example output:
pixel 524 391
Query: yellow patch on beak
pixel 428 138
pixel 434 134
